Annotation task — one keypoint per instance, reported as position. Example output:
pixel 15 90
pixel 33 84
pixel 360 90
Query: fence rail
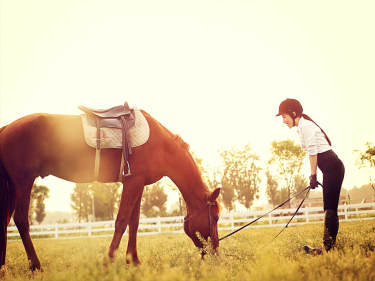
pixel 227 222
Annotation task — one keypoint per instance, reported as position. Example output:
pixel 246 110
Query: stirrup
pixel 129 172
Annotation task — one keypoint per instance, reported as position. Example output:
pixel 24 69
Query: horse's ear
pixel 214 195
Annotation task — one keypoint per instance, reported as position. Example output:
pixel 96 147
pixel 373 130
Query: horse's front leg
pixel 132 191
pixel 131 252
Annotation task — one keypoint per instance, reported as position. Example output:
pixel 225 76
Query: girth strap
pixel 97 153
pixel 125 122
pixel 126 149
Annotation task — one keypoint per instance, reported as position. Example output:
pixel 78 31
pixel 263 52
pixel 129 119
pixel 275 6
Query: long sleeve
pixel 312 139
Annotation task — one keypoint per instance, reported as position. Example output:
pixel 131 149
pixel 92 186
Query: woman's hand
pixel 313 181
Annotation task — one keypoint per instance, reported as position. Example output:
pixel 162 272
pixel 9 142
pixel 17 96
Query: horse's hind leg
pixel 21 220
pixel 5 217
pixel 132 191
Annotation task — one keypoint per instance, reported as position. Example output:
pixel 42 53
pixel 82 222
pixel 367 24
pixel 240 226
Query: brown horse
pixel 48 144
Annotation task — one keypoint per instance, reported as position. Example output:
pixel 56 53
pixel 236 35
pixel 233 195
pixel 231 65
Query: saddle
pixel 120 117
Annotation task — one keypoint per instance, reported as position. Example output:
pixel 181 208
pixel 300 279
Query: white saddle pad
pixel 112 138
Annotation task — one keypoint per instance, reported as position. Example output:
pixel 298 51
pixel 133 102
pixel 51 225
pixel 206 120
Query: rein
pixel 277 207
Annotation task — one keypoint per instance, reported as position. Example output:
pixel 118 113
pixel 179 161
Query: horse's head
pixel 204 222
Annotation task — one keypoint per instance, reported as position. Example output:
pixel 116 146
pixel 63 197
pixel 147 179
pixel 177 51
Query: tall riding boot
pixel 331 227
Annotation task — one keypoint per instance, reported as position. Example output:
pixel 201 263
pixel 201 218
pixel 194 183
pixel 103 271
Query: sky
pixel 213 72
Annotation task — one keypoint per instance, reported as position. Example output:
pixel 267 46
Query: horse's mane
pixel 181 142
pixel 175 137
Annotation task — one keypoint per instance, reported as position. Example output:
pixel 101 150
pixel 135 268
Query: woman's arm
pixel 313 163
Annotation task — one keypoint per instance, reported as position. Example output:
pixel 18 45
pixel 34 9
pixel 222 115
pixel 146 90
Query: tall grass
pixel 248 255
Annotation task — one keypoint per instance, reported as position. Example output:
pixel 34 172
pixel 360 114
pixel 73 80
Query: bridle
pixel 209 204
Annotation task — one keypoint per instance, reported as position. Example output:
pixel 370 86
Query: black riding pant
pixel 333 174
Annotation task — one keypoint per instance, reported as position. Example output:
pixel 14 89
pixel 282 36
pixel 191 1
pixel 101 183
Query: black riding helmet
pixel 289 106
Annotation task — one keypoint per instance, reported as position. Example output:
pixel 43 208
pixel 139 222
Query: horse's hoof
pixel 3 271
pixel 111 257
pixel 36 267
pixel 106 263
pixel 133 261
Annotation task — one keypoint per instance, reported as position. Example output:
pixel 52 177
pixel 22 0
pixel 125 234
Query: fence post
pixel 346 212
pixel 89 228
pixel 159 224
pixel 270 218
pixel 56 231
pixel 232 221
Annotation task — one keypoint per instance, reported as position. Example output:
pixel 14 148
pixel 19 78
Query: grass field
pixel 245 256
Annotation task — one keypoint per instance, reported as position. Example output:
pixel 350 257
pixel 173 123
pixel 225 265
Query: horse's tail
pixel 7 201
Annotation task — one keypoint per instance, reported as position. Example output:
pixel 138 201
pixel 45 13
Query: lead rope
pixel 265 214
pixel 277 207
pixel 269 243
pixel 286 226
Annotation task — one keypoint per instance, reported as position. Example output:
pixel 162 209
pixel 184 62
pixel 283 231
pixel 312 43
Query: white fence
pixel 227 222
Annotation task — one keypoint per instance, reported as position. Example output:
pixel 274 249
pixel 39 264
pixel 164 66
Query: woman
pixel 317 144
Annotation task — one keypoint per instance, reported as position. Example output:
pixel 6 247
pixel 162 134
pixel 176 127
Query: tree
pixel 240 176
pixel 106 199
pixel 364 193
pixel 272 193
pixel 214 181
pixel 367 159
pixel 288 159
pixel 275 196
pixel 81 201
pixel 300 183
pixel 97 200
pixel 154 200
pixel 228 194
pixel 249 180
pixel 37 207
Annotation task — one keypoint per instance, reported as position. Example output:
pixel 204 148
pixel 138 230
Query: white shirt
pixel 312 138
